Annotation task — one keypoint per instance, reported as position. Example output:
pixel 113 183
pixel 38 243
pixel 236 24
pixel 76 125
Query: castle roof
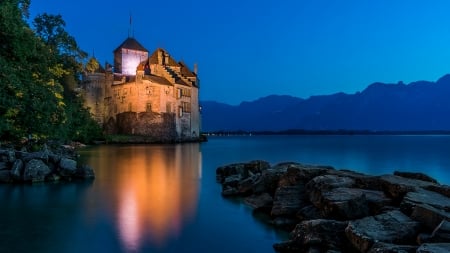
pixel 131 43
pixel 157 79
pixel 153 59
pixel 185 71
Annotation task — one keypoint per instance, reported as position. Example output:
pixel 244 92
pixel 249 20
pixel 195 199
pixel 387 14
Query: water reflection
pixel 156 190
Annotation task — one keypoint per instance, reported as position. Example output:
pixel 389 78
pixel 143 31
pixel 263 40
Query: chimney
pixel 166 56
pixel 160 57
pixel 195 68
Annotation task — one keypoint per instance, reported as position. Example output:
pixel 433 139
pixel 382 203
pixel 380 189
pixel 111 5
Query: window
pixel 186 106
pixel 180 111
pixel 148 107
pixel 183 92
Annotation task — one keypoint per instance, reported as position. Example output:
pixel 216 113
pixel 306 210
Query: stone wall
pixel 159 126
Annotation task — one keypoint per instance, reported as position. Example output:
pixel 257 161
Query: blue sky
pixel 249 49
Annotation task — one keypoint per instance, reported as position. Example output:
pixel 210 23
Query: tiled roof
pixel 153 59
pixel 131 43
pixel 157 79
pixel 185 71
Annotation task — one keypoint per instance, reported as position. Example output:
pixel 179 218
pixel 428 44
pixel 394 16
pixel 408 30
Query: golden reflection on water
pixel 157 191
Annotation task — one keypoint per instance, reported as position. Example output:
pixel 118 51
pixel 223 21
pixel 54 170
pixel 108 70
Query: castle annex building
pixel 147 95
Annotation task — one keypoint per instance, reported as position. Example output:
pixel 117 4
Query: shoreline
pixel 329 210
pixel 325 132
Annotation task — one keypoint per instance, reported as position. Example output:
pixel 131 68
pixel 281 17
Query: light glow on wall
pixel 130 61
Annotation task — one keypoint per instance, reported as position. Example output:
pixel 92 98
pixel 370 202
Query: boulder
pixel 297 173
pixel 442 189
pixel 429 216
pixel 380 247
pixel 319 234
pixel 343 204
pixel 391 227
pixel 40 155
pixel 241 169
pixel 434 248
pixel 441 234
pixel 309 212
pixel 288 200
pixel 416 175
pixel 421 196
pixel 361 180
pixel 68 167
pixel 318 185
pixel 7 155
pixel 268 182
pixel 35 171
pixel 260 202
pixel 17 170
pixel 397 187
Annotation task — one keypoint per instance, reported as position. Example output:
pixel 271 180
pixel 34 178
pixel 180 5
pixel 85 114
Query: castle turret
pixel 128 56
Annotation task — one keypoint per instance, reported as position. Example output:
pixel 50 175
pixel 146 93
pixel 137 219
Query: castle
pixel 152 96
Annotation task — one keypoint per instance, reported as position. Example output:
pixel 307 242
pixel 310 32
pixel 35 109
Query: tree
pixel 31 101
pixel 38 70
pixel 92 65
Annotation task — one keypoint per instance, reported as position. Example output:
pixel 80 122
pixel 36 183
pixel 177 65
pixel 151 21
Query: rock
pixel 5 176
pixel 428 215
pixel 391 227
pixel 245 187
pixel 17 170
pixel 421 196
pixel 268 182
pixel 241 169
pixel 85 172
pixel 416 175
pixel 318 185
pixel 260 202
pixel 288 200
pixel 309 212
pixel 284 222
pixel 343 204
pixel 35 171
pixel 434 248
pixel 361 180
pixel 397 187
pixel 323 234
pixel 40 155
pixel 377 201
pixel 442 189
pixel 7 155
pixel 300 173
pixel 68 167
pixel 380 247
pixel 441 234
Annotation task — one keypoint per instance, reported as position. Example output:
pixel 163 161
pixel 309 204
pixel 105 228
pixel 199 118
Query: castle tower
pixel 128 56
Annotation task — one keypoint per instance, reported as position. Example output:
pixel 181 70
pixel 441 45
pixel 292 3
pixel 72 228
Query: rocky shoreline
pixel 329 210
pixel 18 167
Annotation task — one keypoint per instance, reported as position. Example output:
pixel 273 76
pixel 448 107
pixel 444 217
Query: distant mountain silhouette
pixel 418 106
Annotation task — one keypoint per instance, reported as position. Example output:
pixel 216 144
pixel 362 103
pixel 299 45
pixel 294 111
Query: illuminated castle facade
pixel 152 96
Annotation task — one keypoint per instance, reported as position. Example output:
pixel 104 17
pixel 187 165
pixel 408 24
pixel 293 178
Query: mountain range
pixel 417 106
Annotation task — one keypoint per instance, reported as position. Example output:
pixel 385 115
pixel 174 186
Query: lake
pixel 164 198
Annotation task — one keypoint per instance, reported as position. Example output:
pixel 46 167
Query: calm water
pixel 164 198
